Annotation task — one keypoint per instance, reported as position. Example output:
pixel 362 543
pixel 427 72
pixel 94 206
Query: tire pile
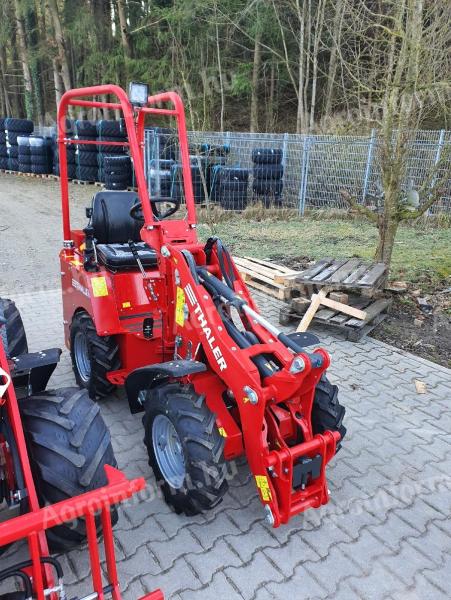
pixel 41 155
pixel 87 168
pixel 3 147
pixel 117 172
pixel 160 176
pixel 121 175
pixel 268 175
pixel 24 154
pixel 16 128
pixel 70 151
pixel 230 187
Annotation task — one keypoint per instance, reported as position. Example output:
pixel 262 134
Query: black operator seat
pixel 114 227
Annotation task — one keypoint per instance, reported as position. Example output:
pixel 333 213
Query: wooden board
pixel 342 274
pixel 266 276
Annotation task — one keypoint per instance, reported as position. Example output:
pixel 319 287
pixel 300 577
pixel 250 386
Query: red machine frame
pixel 36 521
pixel 265 429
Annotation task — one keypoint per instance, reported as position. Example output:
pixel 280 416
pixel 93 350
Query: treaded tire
pixel 4 163
pixel 267 156
pixel 86 159
pixel 20 125
pixel 205 481
pixel 103 356
pixel 268 172
pixel 13 151
pixel 87 173
pixel 116 185
pixel 327 412
pixel 13 333
pixel 68 445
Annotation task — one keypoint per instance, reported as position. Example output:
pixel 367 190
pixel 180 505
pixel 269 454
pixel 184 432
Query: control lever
pixel 89 254
pixel 147 279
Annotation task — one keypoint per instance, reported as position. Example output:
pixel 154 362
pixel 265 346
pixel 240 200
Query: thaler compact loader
pixel 149 307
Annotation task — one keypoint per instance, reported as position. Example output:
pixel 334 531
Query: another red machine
pixel 148 306
pixel 24 484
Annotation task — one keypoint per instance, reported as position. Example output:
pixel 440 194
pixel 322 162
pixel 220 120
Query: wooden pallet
pixel 341 274
pixel 266 276
pixel 354 329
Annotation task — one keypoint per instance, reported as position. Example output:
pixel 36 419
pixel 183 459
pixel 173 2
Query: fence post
pixel 304 174
pixel 441 141
pixel 369 162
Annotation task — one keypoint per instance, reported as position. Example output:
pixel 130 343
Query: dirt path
pixel 31 231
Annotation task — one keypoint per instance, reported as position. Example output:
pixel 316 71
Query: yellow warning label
pixel 179 306
pixel 222 432
pixel 245 399
pixel 126 304
pixel 263 486
pixel 99 287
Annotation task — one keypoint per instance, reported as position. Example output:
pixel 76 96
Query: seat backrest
pixel 111 218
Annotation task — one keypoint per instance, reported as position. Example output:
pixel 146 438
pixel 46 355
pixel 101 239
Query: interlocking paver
pixel 384 534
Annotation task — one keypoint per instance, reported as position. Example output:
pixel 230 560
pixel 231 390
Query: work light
pixel 138 93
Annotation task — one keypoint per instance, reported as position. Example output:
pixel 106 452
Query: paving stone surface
pixel 386 533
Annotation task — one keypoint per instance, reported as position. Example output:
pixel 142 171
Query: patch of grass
pixel 421 255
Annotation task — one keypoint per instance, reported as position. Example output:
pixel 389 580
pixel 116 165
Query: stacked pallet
pixel 266 276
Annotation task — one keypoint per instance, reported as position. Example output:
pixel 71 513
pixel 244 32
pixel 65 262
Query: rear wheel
pixel 69 445
pixel 92 356
pixel 327 412
pixel 13 333
pixel 186 450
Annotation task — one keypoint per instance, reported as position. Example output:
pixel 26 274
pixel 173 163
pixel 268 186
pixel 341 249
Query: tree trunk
pixel 221 78
pixel 61 44
pixel 255 79
pixel 387 233
pixel 336 37
pixel 126 42
pixel 316 41
pixel 3 70
pixel 22 44
pixel 57 81
pixel 272 88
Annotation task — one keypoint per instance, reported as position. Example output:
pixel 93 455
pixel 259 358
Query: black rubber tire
pixel 69 446
pixel 13 151
pixel 13 135
pixel 41 169
pixel 106 148
pixel 117 177
pixel 117 164
pixel 205 482
pixel 25 167
pixel 327 412
pixel 24 152
pixel 13 164
pixel 13 333
pixel 116 185
pixel 23 126
pixel 233 188
pixel 87 147
pixel 86 129
pixel 268 172
pixel 230 174
pixel 87 173
pixel 267 156
pixel 107 128
pixel 39 159
pixel 103 356
pixel 2 137
pixel 14 595
pixel 86 159
pixel 3 151
pixel 271 187
pixel 4 163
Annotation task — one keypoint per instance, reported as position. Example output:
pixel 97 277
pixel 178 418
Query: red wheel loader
pixel 57 471
pixel 150 307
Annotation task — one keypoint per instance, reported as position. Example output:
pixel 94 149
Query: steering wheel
pixel 136 211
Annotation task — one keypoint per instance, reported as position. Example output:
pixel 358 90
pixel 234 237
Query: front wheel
pixel 69 446
pixel 327 412
pixel 185 448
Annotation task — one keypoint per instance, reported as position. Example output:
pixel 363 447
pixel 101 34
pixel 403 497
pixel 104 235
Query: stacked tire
pixel 86 154
pixel 268 175
pixel 3 146
pixel 24 154
pixel 16 128
pixel 110 131
pixel 177 185
pixel 41 155
pixel 230 187
pixel 117 172
pixel 70 152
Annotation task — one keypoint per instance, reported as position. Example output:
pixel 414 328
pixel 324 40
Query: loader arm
pixel 272 395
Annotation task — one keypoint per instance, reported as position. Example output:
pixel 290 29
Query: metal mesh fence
pixel 311 171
